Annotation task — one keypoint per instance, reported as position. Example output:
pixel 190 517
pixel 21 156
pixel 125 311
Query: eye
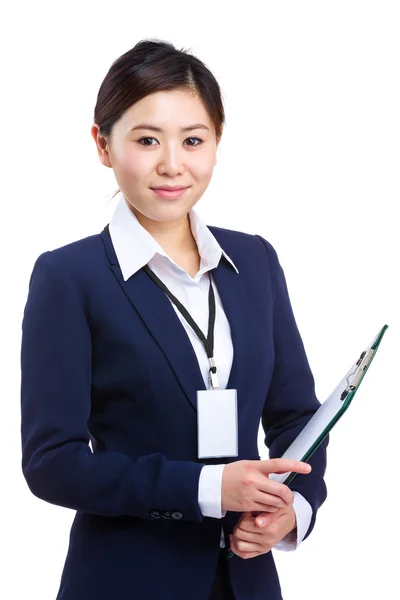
pixel 146 138
pixel 151 138
pixel 195 138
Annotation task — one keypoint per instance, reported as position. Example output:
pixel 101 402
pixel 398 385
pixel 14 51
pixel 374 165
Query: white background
pixel 309 159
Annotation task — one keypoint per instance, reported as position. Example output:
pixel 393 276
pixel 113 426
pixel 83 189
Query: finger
pixel 278 524
pixel 283 465
pixel 254 521
pixel 265 519
pixel 259 507
pixel 250 525
pixel 270 500
pixel 248 532
pixel 246 555
pixel 272 492
pixel 269 509
pixel 247 524
pixel 242 546
pixel 279 495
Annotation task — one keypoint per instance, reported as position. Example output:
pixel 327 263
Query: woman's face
pixel 143 158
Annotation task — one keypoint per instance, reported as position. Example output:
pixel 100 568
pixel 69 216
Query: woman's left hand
pixel 251 538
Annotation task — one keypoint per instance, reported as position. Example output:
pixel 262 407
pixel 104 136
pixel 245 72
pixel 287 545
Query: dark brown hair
pixel 152 66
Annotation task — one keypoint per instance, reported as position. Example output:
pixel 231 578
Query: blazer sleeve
pixel 291 399
pixel 57 461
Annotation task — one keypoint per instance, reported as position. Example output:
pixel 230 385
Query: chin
pixel 169 214
pixel 174 207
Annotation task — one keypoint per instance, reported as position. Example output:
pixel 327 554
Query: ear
pixel 101 145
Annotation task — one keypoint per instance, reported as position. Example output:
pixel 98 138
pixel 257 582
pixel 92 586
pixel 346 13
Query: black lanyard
pixel 207 341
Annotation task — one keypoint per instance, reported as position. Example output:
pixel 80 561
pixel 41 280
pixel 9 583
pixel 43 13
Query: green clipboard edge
pixel 346 403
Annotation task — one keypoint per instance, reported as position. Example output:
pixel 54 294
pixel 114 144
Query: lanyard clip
pixel 213 373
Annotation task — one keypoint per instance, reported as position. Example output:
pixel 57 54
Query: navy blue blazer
pixel 108 361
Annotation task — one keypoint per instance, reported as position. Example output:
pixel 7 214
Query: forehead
pixel 168 110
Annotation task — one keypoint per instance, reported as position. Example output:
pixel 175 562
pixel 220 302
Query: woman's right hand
pixel 247 487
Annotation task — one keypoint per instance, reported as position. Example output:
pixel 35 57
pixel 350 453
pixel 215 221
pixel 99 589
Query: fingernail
pixel 262 522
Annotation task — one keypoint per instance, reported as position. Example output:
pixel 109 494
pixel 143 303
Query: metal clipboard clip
pixel 358 372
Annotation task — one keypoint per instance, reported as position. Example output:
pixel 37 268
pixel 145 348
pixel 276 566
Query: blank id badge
pixel 217 423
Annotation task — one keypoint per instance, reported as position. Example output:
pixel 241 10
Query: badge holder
pixel 217 420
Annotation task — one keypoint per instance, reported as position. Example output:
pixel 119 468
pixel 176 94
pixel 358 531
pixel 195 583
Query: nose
pixel 171 160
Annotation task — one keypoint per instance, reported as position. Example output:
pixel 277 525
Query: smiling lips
pixel 170 187
pixel 170 191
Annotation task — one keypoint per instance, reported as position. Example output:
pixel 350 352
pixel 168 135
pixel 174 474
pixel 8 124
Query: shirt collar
pixel 135 246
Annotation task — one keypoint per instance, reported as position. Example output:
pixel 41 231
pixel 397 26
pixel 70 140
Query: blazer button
pixel 177 515
pixel 155 514
pixel 166 514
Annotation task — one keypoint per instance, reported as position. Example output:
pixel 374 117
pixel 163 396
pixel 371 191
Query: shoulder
pixel 237 242
pixel 90 247
pixel 72 262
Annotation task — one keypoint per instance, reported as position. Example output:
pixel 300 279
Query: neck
pixel 172 236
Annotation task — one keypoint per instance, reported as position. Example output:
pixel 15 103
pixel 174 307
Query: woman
pixel 150 353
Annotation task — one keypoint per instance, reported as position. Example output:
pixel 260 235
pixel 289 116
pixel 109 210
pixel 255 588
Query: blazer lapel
pixel 160 318
pixel 157 313
pixel 231 289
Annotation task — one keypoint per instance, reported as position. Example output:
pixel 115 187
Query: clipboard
pixel 330 411
pixel 328 414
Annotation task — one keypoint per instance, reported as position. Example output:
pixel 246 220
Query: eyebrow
pixel 158 129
